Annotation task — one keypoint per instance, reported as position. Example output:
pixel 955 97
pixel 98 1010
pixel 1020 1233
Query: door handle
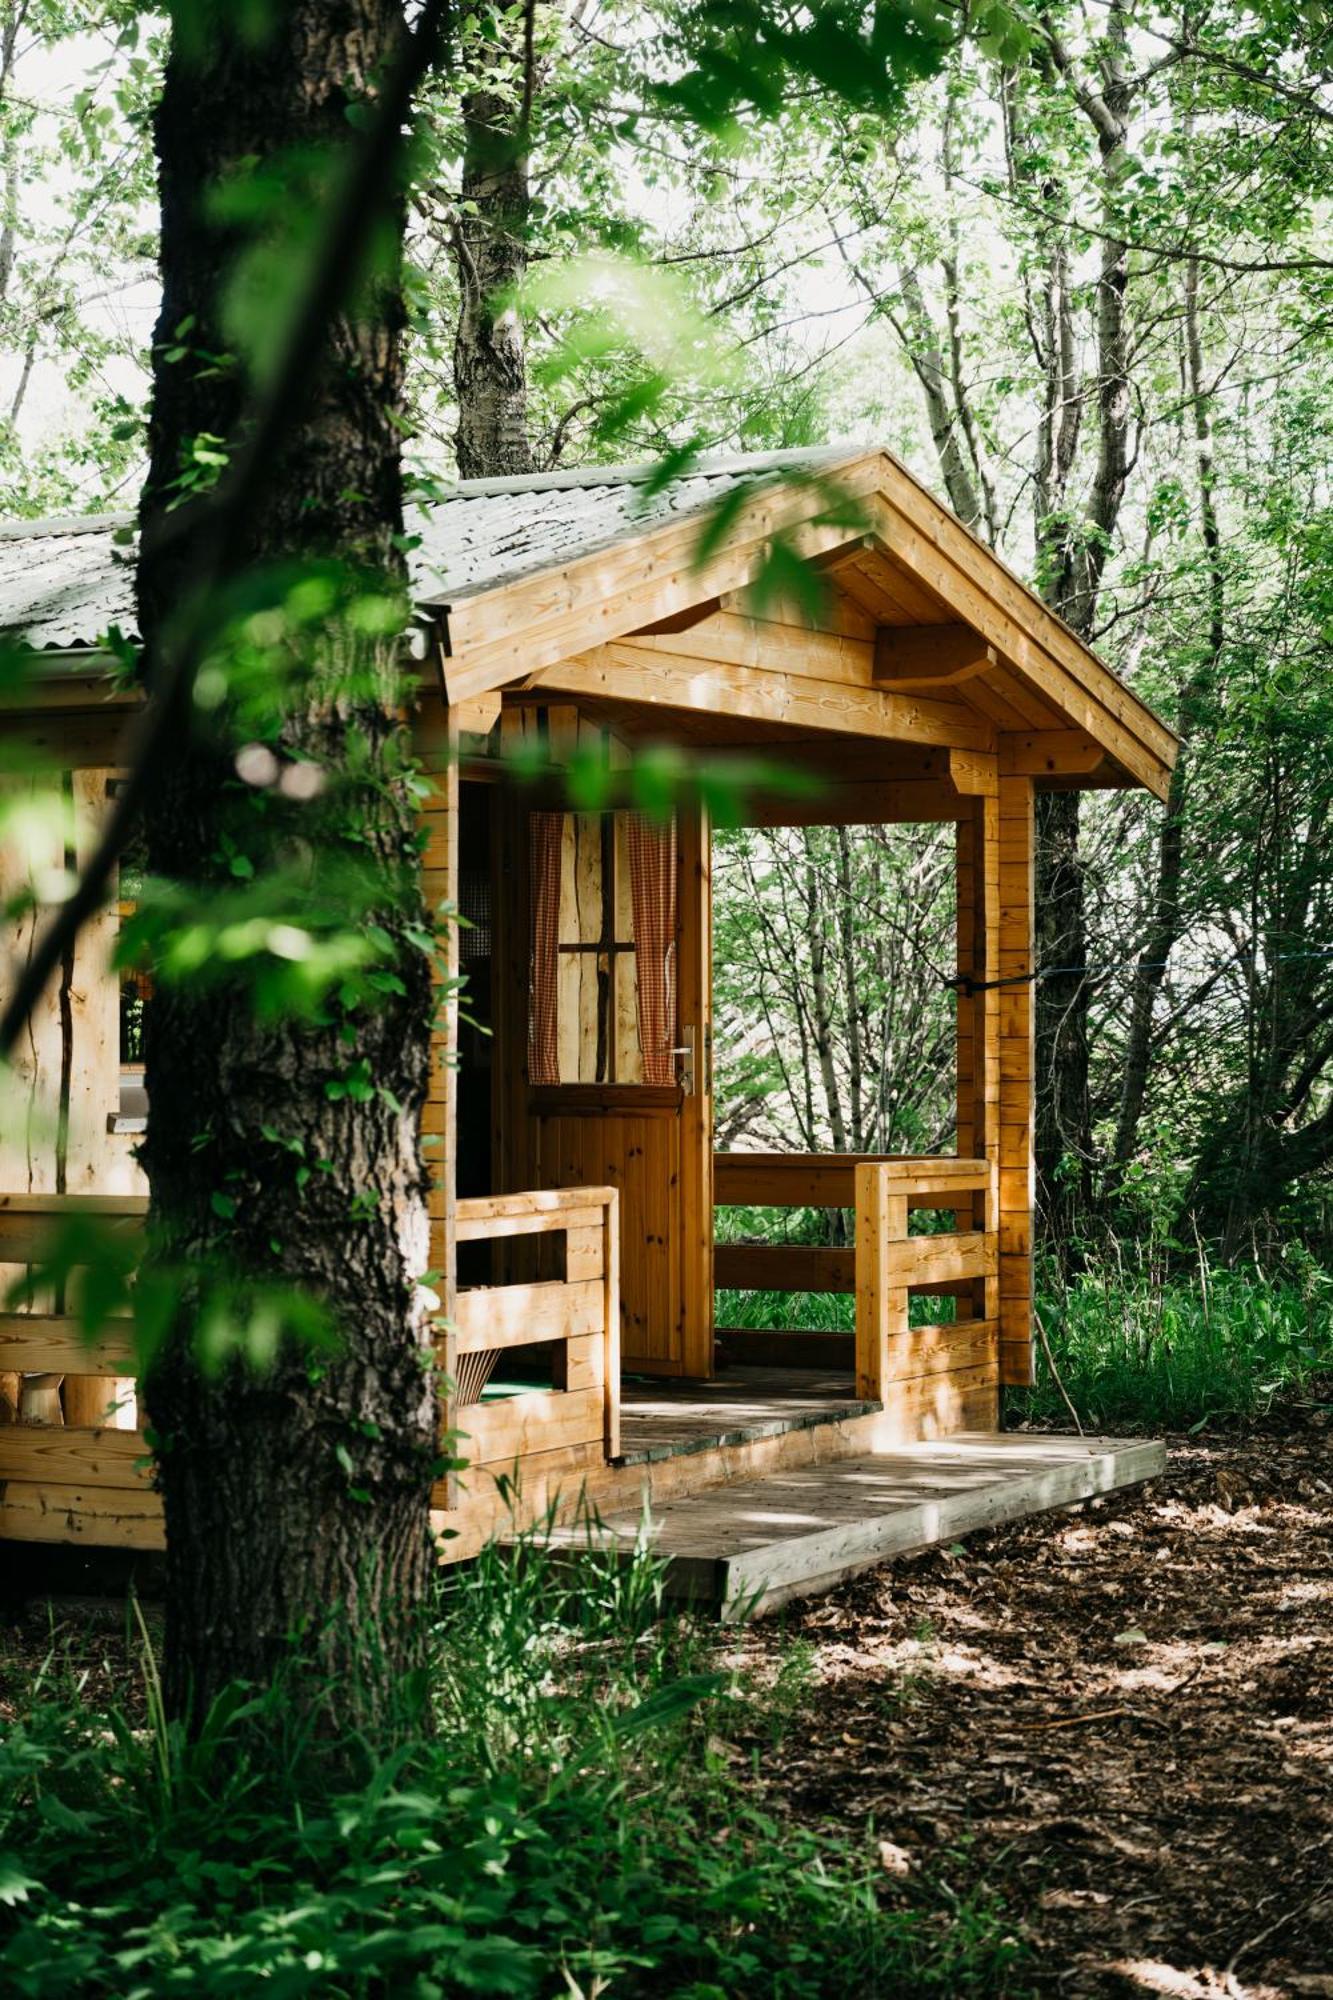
pixel 686 1055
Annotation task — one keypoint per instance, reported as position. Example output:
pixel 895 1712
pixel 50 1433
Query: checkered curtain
pixel 652 874
pixel 544 974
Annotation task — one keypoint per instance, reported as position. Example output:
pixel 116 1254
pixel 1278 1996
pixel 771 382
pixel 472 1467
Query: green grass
pixel 1139 1345
pixel 587 1818
pixel 787 1312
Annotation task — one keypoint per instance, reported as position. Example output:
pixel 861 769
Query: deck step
pixel 750 1545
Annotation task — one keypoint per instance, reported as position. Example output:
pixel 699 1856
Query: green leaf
pixel 667 1704
pixel 15 1882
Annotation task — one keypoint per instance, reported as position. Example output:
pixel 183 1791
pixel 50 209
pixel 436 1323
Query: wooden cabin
pixel 569 621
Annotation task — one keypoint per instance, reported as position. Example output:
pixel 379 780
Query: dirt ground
pixel 1127 1707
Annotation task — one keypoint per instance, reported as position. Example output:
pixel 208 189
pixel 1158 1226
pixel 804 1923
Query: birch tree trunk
pixel 490 252
pixel 1165 922
pixel 285 1151
pixel 1073 547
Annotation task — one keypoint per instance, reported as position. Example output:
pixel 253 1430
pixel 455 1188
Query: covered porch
pixel 760 1484
pixel 571 634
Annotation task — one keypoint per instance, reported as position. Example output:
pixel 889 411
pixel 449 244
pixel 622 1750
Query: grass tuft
pixel 1143 1345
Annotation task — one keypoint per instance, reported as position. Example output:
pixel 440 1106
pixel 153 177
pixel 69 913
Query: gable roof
pixel 528 571
pixel 65 580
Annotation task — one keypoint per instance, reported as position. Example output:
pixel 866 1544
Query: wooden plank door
pixel 600 1123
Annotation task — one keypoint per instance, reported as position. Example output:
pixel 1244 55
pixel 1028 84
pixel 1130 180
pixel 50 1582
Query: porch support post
pixel 694 1009
pixel 1017 1172
pixel 979 920
pixel 881 1302
pixel 611 1326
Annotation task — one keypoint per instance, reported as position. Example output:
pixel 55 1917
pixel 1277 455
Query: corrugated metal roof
pixel 64 582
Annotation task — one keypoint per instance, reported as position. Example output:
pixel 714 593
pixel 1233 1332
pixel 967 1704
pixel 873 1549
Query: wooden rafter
pixel 929 658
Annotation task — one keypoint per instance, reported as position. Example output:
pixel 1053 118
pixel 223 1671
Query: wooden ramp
pixel 750 1545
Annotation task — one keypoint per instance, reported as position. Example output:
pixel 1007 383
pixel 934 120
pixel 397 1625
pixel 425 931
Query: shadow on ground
pixel 1124 1711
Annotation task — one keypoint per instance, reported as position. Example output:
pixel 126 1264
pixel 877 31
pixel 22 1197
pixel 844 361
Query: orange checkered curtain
pixel 652 874
pixel 547 831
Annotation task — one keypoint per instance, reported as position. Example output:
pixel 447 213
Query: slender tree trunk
pixel 849 949
pixel 1165 925
pixel 1062 1131
pixel 1072 553
pixel 11 25
pixel 940 394
pixel 490 250
pixel 821 998
pixel 285 1152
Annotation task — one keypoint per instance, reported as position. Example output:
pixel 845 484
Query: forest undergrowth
pixel 582 1821
pixel 1124 1707
pixel 1077 1754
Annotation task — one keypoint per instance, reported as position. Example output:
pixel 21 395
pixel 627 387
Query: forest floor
pixel 1120 1717
pixel 1117 1719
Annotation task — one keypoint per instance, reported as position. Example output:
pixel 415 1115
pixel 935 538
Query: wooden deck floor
pixel 750 1545
pixel 664 1419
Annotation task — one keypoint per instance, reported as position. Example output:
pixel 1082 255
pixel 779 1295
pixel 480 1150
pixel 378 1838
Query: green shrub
pixel 1138 1340
pixel 585 1819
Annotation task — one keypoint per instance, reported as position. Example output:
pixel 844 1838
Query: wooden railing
pixel 49 1374
pixel 891 1263
pixel 580 1313
pixel 885 1263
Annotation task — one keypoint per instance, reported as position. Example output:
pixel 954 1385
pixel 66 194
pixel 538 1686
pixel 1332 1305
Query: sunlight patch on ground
pixel 1151 1976
pixel 964 1663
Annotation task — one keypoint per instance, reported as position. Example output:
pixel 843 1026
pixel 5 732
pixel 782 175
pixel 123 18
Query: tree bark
pixel 11 24
pixel 1072 553
pixel 1165 923
pixel 284 1153
pixel 490 253
pixel 821 999
pixel 943 400
pixel 1062 1132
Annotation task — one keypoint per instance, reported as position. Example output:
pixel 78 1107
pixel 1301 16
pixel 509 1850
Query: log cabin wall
pixel 60 1123
pixel 437 746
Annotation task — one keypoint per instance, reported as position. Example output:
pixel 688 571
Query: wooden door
pixel 582 1111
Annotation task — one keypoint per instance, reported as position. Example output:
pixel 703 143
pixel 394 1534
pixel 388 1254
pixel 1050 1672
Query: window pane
pixel 629 1055
pixel 582 974
pixel 590 871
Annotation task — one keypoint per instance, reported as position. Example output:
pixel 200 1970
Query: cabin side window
pixel 602 984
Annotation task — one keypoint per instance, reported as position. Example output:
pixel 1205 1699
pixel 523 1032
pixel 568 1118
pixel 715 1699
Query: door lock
pixel 685 1072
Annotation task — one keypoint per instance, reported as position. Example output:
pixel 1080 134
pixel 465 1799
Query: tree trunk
pixel 817 929
pixel 849 947
pixel 1072 552
pixel 1062 1134
pixel 284 1152
pixel 490 253
pixel 1165 924
pixel 943 398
